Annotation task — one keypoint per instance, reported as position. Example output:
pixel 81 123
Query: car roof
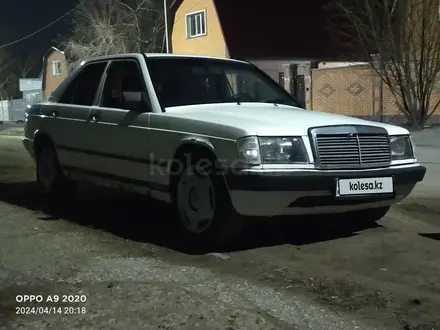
pixel 156 55
pixel 165 55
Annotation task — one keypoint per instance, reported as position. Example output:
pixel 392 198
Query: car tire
pixel 50 177
pixel 206 216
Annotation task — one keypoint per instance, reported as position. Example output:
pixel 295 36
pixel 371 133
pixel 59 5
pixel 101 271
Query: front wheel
pixel 203 206
pixel 50 177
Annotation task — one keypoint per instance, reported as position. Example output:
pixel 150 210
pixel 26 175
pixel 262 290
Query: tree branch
pixel 108 27
pixel 404 35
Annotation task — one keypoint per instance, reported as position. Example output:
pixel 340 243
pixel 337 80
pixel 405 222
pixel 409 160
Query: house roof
pixel 51 50
pixel 281 29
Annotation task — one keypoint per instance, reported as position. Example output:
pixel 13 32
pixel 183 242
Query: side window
pixel 233 83
pixel 124 87
pixel 82 89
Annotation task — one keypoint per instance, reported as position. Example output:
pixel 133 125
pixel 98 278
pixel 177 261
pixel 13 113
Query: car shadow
pixel 140 219
pixel 434 236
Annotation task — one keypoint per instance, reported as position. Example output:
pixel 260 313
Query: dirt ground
pixel 122 254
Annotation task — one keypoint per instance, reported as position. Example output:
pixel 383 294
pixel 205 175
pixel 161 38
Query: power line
pixel 57 20
pixel 39 30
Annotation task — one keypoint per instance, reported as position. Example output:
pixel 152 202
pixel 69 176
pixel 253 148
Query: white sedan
pixel 216 138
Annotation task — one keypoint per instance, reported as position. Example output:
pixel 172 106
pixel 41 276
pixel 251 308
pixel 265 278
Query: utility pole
pixel 167 41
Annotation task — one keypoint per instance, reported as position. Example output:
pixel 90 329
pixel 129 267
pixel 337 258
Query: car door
pixel 68 117
pixel 119 125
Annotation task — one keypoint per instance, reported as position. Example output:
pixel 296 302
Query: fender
pixel 39 133
pixel 196 140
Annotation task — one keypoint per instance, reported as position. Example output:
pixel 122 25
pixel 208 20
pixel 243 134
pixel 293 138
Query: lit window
pixel 57 67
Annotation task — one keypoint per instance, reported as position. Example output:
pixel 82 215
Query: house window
pixel 196 24
pixel 57 67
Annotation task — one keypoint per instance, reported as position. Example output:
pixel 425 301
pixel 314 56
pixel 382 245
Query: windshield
pixel 190 81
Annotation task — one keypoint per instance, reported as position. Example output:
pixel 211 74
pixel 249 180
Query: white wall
pixel 4 110
pixel 323 65
pixel 12 110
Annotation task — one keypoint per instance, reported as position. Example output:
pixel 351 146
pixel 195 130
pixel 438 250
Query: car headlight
pixel 401 147
pixel 272 150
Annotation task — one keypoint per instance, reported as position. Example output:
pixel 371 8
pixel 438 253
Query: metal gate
pixel 297 85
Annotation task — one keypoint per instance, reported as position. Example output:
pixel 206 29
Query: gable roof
pixel 50 51
pixel 279 29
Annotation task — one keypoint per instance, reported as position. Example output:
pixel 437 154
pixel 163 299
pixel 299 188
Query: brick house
pixel 285 39
pixel 55 70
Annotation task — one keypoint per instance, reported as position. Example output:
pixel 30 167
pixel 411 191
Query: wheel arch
pixel 40 140
pixel 196 145
pixel 191 145
pixel 196 141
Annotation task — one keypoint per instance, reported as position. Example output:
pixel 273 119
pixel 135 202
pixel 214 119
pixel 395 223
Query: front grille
pixel 352 150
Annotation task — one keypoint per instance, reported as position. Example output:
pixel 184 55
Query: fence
pixel 356 90
pixel 12 110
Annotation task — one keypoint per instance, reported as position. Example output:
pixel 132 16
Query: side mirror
pixel 132 96
pixel 134 101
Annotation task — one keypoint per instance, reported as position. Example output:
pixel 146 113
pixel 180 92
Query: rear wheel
pixel 50 177
pixel 206 215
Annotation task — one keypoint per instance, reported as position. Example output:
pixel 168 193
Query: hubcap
pixel 195 200
pixel 46 169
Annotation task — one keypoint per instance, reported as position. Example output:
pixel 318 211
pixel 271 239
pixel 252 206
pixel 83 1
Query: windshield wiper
pixel 281 101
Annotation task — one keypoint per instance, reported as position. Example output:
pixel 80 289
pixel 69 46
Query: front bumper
pixel 282 192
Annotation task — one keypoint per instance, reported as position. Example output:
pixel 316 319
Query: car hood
pixel 269 119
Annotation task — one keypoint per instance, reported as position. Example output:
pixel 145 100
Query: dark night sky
pixel 19 18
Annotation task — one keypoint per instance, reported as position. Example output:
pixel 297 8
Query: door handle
pixel 54 113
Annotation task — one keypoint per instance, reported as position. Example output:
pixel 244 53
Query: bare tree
pixel 403 37
pixel 25 66
pixel 6 72
pixel 115 26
